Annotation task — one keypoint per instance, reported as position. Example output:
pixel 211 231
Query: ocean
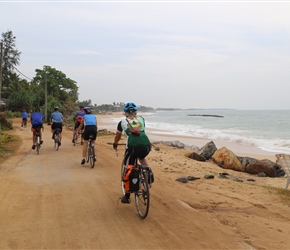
pixel 267 130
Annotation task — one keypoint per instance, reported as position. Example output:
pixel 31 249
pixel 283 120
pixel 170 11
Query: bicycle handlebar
pixel 111 143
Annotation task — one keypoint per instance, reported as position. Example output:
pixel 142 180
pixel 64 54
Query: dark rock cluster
pixel 226 159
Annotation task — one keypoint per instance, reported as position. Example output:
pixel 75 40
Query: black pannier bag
pixel 150 176
pixel 134 180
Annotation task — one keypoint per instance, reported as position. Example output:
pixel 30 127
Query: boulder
pixel 245 161
pixel 205 153
pixel 266 166
pixel 208 150
pixel 225 158
pixel 196 156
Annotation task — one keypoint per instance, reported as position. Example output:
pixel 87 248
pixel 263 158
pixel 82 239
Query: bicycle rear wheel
pixel 123 172
pixel 142 196
pixel 92 156
pixel 56 141
pixel 88 152
pixel 37 144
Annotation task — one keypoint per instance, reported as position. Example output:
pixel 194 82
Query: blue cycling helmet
pixel 88 110
pixel 130 107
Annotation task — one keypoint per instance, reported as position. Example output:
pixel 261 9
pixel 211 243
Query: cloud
pixel 179 54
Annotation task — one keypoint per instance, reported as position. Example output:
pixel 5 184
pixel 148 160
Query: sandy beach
pixel 51 201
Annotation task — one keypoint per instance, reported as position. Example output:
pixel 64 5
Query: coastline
pixel 159 135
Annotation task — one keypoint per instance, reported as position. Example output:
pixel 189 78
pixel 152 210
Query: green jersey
pixel 134 140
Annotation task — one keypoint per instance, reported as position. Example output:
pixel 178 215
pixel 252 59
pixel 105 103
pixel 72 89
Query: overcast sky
pixel 181 54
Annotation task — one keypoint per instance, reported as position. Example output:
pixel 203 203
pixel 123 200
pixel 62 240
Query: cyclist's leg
pixel 82 134
pixel 144 161
pixel 95 133
pixel 59 125
pixel 142 152
pixel 74 132
pixel 130 160
pixel 52 128
pixel 40 133
pixel 85 146
pixel 33 129
pixel 82 137
pixel 84 151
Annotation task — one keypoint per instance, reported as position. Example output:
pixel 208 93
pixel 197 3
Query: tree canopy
pixel 27 94
pixel 10 58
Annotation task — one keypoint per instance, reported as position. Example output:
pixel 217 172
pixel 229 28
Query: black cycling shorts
pixel 90 130
pixel 56 125
pixel 133 153
pixel 77 124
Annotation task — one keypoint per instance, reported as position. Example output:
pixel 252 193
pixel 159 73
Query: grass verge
pixel 8 145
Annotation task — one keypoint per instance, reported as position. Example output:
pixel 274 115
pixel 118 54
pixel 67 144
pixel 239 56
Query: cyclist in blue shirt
pixel 24 117
pixel 56 122
pixel 36 122
pixel 90 123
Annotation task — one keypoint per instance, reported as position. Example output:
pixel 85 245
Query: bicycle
pixel 76 137
pixel 56 138
pixel 91 156
pixel 38 144
pixel 142 194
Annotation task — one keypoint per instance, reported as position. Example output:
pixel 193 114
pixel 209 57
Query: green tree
pixel 10 59
pixel 21 100
pixel 61 91
pixel 21 94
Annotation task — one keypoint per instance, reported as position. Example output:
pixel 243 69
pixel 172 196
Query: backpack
pixel 134 130
pixel 37 119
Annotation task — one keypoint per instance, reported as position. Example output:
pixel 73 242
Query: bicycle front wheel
pixel 142 196
pixel 37 144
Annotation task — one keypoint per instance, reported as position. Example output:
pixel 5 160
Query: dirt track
pixel 50 201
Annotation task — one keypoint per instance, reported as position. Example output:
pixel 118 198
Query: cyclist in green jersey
pixel 138 145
